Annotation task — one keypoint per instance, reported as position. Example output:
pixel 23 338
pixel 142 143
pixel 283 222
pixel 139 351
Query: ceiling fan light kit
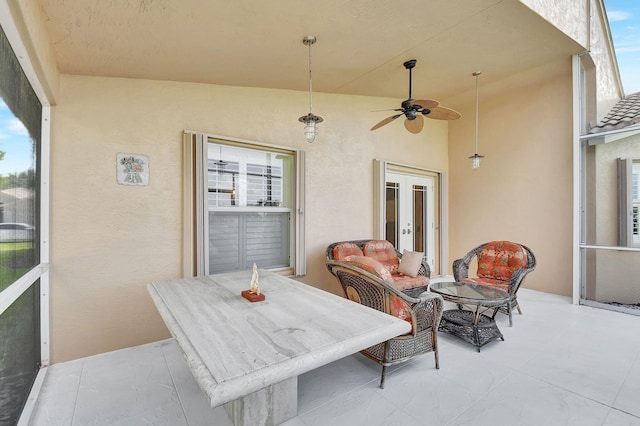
pixel 475 158
pixel 310 120
pixel 415 110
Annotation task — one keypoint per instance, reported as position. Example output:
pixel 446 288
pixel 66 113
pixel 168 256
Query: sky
pixel 15 142
pixel 624 22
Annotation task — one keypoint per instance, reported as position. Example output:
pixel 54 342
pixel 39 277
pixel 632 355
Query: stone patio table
pixel 248 356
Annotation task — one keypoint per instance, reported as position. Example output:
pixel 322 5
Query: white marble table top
pixel 235 347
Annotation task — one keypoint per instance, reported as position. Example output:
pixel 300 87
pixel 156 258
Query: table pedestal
pixel 270 406
pixel 471 327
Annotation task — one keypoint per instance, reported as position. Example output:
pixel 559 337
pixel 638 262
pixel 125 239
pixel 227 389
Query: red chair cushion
pixel 384 252
pixel 399 309
pixel 372 266
pixel 405 282
pixel 342 250
pixel 498 260
pixel 504 285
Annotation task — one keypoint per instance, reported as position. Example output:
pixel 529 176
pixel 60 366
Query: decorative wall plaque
pixel 132 169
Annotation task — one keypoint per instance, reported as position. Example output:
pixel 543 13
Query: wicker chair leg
pixel 384 363
pixel 509 312
pixel 435 348
pixel 518 308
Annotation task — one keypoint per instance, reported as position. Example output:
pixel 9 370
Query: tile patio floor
pixel 560 364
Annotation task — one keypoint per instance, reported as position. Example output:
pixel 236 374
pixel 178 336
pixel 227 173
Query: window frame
pixel 195 226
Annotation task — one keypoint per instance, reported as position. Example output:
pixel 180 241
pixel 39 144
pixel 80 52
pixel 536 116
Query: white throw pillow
pixel 410 263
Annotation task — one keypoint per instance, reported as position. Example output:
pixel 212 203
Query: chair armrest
pixel 460 270
pixel 461 266
pixel 336 265
pixel 369 290
pixel 424 269
pixel 517 277
pixel 428 310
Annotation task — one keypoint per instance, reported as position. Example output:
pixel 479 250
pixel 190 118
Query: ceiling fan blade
pixel 443 113
pixel 426 103
pixel 385 121
pixel 415 125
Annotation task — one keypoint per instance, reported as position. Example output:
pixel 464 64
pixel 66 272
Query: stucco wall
pixel 108 241
pixel 571 18
pixel 609 88
pixel 585 22
pixel 523 190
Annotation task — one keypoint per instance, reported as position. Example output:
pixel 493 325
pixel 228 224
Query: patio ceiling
pixel 360 50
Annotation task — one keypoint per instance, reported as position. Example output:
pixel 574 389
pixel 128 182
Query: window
pixel 251 210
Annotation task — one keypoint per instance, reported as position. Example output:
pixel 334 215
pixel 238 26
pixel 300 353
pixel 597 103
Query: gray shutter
pixel 625 206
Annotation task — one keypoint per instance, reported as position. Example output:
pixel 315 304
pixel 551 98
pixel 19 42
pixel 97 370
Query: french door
pixel 409 212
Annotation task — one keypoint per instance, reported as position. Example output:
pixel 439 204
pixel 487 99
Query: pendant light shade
pixel 475 158
pixel 310 120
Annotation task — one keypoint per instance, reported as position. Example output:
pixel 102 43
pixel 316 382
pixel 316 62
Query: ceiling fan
pixel 414 110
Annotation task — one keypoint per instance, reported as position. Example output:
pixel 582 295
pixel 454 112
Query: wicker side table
pixel 460 323
pixel 472 326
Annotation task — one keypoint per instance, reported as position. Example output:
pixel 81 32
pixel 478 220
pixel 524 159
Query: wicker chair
pixel 500 263
pixel 416 305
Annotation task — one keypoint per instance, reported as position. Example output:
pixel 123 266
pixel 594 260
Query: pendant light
pixel 310 121
pixel 475 158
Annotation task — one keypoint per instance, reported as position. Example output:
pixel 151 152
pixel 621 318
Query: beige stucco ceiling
pixel 360 50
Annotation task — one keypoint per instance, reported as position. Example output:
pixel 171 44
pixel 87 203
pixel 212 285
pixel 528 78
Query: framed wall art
pixel 132 169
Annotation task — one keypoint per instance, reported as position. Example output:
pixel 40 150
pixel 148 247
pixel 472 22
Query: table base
pixel 460 323
pixel 270 406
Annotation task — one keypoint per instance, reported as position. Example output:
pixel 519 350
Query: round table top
pixel 470 293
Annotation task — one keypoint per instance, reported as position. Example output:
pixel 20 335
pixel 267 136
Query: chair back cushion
pixel 343 250
pixel 384 252
pixel 498 260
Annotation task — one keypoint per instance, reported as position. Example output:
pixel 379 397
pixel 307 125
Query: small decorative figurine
pixel 253 294
pixel 255 286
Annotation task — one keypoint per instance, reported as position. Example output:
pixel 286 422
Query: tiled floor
pixel 560 364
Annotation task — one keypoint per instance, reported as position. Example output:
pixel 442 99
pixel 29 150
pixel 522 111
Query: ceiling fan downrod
pixel 409 109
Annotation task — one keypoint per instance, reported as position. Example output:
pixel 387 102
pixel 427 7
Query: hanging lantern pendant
pixel 310 120
pixel 475 158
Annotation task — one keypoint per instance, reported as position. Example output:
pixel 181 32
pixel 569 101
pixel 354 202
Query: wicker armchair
pixel 500 263
pixel 416 305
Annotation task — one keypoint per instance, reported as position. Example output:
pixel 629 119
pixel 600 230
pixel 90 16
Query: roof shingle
pixel 624 114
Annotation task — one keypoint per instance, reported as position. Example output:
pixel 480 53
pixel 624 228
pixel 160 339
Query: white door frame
pixel 406 227
pixel 380 169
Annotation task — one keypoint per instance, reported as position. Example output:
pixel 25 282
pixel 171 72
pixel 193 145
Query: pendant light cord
pixel 310 80
pixel 477 74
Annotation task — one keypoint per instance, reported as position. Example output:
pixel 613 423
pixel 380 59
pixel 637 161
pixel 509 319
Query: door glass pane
pixel 391 206
pixel 419 217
